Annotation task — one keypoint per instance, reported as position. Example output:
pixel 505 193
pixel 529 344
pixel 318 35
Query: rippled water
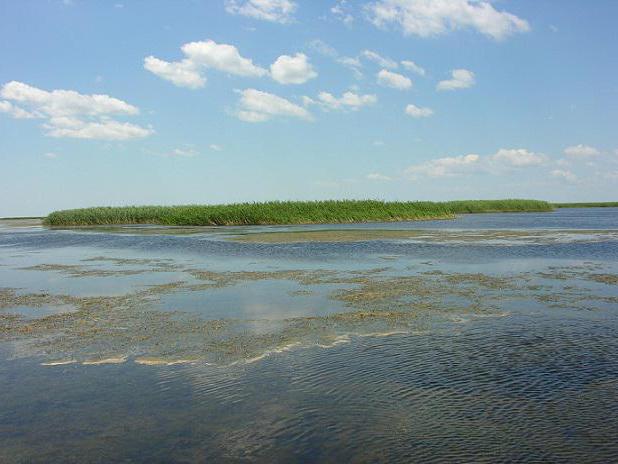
pixel 530 375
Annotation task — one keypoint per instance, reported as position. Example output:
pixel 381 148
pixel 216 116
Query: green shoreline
pixel 287 212
pixel 293 212
pixel 593 204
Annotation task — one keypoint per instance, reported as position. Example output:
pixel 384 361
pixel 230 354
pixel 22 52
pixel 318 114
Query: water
pixel 169 347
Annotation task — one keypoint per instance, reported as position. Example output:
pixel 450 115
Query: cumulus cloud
pixel 518 157
pixel 105 129
pixel 581 151
pixel 412 66
pixel 200 56
pixel 68 113
pixel 222 57
pixel 64 102
pixel 502 161
pixel 276 11
pixel 181 73
pixel 15 111
pixel 461 79
pixel 394 80
pixel 564 175
pixel 348 101
pixel 379 59
pixel 257 106
pixel 378 176
pixel 292 69
pixel 215 147
pixel 426 18
pixel 443 167
pixel 418 112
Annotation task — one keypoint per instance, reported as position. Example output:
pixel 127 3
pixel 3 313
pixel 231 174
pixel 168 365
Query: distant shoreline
pixel 598 204
pixel 298 212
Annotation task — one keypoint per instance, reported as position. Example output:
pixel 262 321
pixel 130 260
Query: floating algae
pixel 497 237
pixel 114 329
pixel 71 270
pixel 609 279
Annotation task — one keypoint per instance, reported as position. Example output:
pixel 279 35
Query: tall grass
pixel 597 204
pixel 285 212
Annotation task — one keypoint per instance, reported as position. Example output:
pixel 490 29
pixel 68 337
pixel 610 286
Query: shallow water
pixel 489 338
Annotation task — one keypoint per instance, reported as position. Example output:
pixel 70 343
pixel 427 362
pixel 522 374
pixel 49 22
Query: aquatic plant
pixel 597 204
pixel 286 212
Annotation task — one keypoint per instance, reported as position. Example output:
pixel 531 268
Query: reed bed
pixel 594 204
pixel 286 212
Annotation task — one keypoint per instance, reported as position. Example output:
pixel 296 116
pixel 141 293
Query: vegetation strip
pixel 287 212
pixel 598 204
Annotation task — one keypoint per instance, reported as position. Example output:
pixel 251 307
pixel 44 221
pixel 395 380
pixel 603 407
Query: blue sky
pixel 215 101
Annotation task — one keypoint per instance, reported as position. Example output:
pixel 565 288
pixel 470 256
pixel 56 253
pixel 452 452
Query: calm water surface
pixel 509 353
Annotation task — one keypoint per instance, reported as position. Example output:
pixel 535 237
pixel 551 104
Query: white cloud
pixel 412 66
pixel 105 129
pixel 581 151
pixel 394 80
pixel 443 167
pixel 50 155
pixel 15 111
pixel 353 64
pixel 349 100
pixel 258 106
pixel 277 11
pixel 323 48
pixel 380 60
pixel 65 102
pixel 200 56
pixel 518 157
pixel 70 114
pixel 215 147
pixel 378 176
pixel 427 18
pixel 181 73
pixel 292 69
pixel 501 162
pixel 222 57
pixel 564 175
pixel 418 112
pixel 461 79
pixel 343 12
pixel 182 153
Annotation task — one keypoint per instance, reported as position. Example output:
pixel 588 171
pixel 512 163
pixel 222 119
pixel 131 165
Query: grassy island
pixel 594 204
pixel 286 212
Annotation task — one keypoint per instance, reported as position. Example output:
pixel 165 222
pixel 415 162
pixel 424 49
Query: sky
pixel 218 101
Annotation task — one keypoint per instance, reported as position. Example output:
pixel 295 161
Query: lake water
pixel 488 338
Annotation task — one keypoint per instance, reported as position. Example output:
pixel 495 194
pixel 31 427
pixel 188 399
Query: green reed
pixel 286 212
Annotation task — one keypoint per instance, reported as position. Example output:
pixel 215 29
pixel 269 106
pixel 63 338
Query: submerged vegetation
pixel 286 212
pixel 66 328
